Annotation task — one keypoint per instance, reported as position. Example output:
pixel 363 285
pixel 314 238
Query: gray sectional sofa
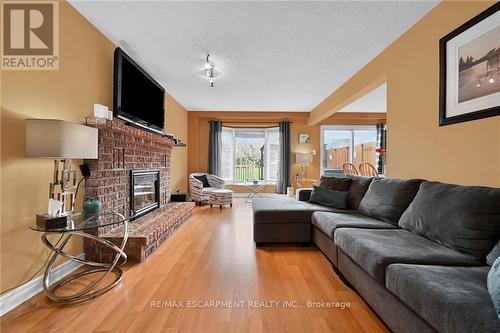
pixel 418 252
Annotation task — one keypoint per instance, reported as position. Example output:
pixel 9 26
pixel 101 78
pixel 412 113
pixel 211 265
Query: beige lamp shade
pixel 303 158
pixel 59 139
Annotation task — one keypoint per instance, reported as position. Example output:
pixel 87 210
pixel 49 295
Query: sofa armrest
pixel 303 194
pixel 215 181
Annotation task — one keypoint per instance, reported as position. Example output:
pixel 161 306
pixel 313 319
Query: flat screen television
pixel 137 97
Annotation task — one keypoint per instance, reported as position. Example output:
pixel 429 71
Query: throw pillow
pixel 203 179
pixel 330 198
pixel 387 199
pixel 494 254
pixel 494 285
pixel 357 190
pixel 335 183
pixel 464 218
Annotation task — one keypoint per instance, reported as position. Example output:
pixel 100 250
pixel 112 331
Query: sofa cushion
pixel 286 210
pixel 464 218
pixel 328 222
pixel 335 183
pixel 451 299
pixel 357 190
pixel 374 250
pixel 330 198
pixel 387 199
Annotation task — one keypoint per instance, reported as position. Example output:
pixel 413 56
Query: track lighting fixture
pixel 210 71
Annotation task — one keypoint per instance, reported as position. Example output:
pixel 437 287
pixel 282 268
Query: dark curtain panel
pixel 381 142
pixel 285 155
pixel 214 147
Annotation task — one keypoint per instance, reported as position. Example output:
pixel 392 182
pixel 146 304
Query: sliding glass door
pixel 346 144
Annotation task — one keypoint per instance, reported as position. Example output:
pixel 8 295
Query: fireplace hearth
pixel 145 191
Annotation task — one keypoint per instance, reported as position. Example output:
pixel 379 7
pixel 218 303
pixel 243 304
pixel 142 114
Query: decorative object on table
pixel 77 225
pixel 50 222
pixel 179 143
pixel 103 112
pixel 61 141
pixel 470 70
pixel 305 183
pixel 91 207
pixel 304 138
pixel 304 159
pixel 54 218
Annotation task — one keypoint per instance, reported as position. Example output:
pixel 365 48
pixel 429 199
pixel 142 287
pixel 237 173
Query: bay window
pixel 249 154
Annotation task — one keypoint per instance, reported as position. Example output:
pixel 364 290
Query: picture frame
pixel 469 70
pixel 304 138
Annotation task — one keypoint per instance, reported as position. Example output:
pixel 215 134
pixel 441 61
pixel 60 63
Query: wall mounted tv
pixel 137 97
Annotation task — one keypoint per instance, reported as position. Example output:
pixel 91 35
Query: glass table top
pixel 79 222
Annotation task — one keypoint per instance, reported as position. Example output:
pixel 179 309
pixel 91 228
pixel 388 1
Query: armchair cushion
pixel 203 179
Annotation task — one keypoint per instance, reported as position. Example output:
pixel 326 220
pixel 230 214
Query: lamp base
pixel 63 186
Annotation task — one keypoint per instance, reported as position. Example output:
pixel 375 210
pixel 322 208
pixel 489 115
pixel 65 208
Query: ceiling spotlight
pixel 210 71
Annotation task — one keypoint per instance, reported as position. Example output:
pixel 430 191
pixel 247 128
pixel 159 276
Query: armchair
pixel 199 193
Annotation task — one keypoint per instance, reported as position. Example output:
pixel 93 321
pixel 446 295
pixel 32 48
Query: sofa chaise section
pixel 284 220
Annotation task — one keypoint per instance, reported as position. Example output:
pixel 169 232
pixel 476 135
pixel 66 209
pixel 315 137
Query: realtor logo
pixel 30 35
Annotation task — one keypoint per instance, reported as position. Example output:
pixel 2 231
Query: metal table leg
pixel 93 290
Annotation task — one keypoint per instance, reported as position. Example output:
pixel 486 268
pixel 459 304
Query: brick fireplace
pixel 124 151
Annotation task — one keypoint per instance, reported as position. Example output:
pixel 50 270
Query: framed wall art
pixel 470 69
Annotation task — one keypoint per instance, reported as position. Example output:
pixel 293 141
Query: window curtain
pixel 381 143
pixel 214 147
pixel 284 157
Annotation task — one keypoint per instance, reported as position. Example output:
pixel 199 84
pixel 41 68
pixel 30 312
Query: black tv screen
pixel 137 97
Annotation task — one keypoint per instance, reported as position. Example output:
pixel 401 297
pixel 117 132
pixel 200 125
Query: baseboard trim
pixel 21 294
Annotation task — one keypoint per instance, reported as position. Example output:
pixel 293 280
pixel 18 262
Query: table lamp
pixel 61 141
pixel 303 159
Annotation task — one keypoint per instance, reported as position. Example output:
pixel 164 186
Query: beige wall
pixel 84 77
pixel 198 133
pixel 465 153
pixel 176 122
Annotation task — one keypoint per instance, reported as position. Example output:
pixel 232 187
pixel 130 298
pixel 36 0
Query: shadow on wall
pixel 24 189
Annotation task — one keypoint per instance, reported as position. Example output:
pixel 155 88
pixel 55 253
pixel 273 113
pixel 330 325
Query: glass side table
pixel 76 226
pixel 255 187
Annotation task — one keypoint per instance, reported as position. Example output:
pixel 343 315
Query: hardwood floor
pixel 211 258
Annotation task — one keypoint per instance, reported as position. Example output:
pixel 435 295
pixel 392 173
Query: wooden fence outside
pixel 364 152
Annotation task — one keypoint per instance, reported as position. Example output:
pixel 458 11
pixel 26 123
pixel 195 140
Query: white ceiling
pixel 272 56
pixel 373 101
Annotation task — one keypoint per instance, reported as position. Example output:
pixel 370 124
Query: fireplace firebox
pixel 145 191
